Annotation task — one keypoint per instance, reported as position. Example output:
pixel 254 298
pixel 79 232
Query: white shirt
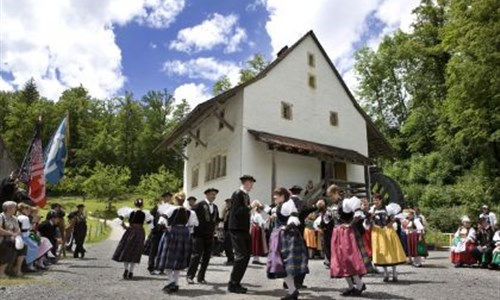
pixel 492 218
pixel 210 206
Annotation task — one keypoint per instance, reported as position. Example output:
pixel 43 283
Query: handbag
pixel 422 249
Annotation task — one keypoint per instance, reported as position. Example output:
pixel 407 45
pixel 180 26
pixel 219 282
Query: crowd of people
pixel 29 243
pixel 353 237
pixel 480 245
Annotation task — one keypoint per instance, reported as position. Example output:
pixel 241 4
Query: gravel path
pixel 98 277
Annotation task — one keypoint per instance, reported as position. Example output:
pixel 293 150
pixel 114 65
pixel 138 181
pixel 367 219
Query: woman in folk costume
pixel 463 243
pixel 495 260
pixel 44 245
pixel 386 244
pixel 131 245
pixel 25 225
pixel 258 235
pixel 484 242
pixel 175 245
pixel 287 251
pixel 310 234
pixel 346 259
pixel 414 230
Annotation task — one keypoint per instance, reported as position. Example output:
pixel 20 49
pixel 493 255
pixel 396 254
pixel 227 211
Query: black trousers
pixel 155 243
pixel 242 244
pixel 79 239
pixel 202 250
pixel 228 246
pixel 327 237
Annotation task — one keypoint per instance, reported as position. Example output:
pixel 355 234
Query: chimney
pixel 282 51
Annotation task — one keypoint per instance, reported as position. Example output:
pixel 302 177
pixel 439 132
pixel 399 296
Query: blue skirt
pixel 174 250
pixel 32 252
pixel 287 254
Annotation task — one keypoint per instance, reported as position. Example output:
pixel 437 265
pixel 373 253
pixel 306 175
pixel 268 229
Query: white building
pixel 296 121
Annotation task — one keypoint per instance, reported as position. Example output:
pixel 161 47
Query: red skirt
pixel 465 257
pixel 412 243
pixel 367 241
pixel 346 259
pixel 259 246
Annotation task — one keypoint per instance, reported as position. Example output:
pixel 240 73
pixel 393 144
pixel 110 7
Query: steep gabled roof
pixel 377 144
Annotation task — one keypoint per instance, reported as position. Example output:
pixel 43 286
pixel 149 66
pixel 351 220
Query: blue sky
pixel 113 46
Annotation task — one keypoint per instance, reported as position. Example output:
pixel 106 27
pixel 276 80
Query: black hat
pixel 80 205
pixel 211 190
pixel 296 188
pixel 191 198
pixel 166 194
pixel 138 202
pixel 247 178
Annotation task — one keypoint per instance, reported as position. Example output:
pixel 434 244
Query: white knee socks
pixel 394 274
pixel 290 282
pixel 172 276
pixel 349 282
pixel 358 281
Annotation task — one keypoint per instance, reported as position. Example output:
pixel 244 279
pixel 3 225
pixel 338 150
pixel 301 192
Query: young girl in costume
pixel 346 258
pixel 175 245
pixel 131 245
pixel 464 242
pixel 387 249
pixel 287 251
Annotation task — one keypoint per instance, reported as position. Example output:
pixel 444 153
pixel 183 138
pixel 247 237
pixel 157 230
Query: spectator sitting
pixel 49 229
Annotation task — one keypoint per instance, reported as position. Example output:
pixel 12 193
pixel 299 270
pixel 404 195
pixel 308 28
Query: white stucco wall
pixel 288 82
pixel 221 142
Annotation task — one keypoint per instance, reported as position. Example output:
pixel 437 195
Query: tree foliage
pixel 435 92
pixel 108 183
pixel 154 184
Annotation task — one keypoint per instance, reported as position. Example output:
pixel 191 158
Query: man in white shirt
pixel 490 216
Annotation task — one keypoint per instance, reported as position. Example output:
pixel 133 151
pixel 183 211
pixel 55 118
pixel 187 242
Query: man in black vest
pixel 208 217
pixel 239 230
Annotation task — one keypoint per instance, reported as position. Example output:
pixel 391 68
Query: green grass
pixel 437 238
pixel 24 280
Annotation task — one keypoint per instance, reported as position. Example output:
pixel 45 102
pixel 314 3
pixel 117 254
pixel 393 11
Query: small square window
pixel 334 118
pixel 197 137
pixel 312 81
pixel 286 111
pixel 310 60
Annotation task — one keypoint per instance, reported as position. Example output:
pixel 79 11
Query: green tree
pixel 221 85
pixel 154 184
pixel 107 183
pixel 254 67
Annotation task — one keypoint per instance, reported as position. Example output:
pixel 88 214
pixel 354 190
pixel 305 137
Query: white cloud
pixel 5 86
pixel 203 68
pixel 161 13
pixel 62 44
pixel 193 93
pixel 215 31
pixel 338 25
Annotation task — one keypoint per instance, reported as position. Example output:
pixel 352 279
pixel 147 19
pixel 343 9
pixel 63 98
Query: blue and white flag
pixel 56 154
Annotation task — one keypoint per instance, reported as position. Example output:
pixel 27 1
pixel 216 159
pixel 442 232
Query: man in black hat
pixel 8 187
pixel 79 224
pixel 156 232
pixel 208 218
pixel 239 230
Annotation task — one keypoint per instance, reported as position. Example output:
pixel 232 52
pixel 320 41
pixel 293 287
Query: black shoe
pixel 75 255
pixel 363 288
pixel 395 279
pixel 349 292
pixel 190 280
pixel 125 274
pixel 292 296
pixel 130 275
pixel 83 254
pixel 202 281
pixel 386 279
pixel 285 286
pixel 258 263
pixel 357 292
pixel 301 287
pixel 236 288
pixel 170 288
